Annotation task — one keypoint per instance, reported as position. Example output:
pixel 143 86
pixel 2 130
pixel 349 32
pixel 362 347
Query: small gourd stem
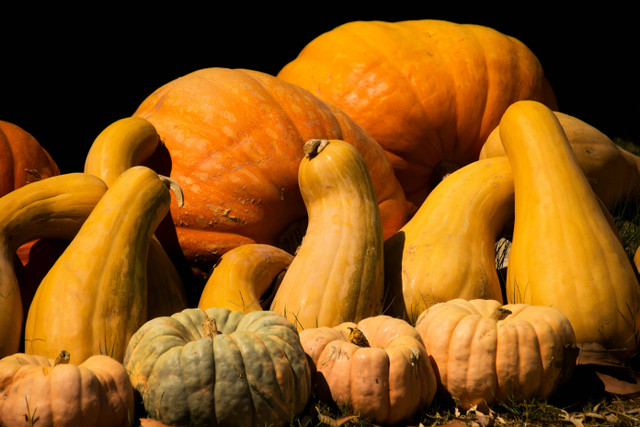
pixel 209 326
pixel 500 313
pixel 173 185
pixel 313 147
pixel 63 358
pixel 357 337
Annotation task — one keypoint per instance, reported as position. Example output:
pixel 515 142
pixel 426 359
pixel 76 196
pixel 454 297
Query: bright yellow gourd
pixel 53 207
pixel 95 295
pixel 613 172
pixel 564 253
pixel 337 273
pixel 246 278
pixel 447 249
pixel 125 143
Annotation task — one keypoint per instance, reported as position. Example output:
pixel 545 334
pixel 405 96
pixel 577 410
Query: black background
pixel 67 74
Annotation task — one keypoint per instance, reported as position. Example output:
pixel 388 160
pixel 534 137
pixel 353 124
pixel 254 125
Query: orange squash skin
pixel 235 140
pixel 22 158
pixel 441 87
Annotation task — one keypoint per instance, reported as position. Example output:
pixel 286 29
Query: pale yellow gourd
pixel 447 249
pixel 337 273
pixel 246 278
pixel 564 253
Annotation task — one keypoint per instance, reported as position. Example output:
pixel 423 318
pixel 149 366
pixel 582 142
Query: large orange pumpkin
pixel 234 138
pixel 429 91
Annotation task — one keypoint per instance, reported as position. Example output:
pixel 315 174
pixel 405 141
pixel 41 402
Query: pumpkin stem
pixel 313 147
pixel 357 337
pixel 173 185
pixel 500 313
pixel 63 358
pixel 209 326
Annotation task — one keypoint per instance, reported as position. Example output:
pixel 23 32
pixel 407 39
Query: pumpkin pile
pixel 243 244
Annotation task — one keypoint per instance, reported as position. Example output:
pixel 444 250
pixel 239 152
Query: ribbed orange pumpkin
pixel 39 391
pixel 379 367
pixel 235 140
pixel 484 351
pixel 428 91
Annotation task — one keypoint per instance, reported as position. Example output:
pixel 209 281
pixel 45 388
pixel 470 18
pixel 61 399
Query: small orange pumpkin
pixel 40 391
pixel 488 352
pixel 379 367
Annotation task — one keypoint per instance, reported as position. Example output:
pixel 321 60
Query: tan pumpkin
pixel 613 172
pixel 565 253
pixel 56 392
pixel 429 91
pixel 486 352
pixel 246 278
pixel 378 368
pixel 337 273
pixel 233 138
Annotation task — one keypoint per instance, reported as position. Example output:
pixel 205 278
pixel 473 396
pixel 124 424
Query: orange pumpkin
pixel 22 158
pixel 428 91
pixel 379 367
pixel 40 391
pixel 234 140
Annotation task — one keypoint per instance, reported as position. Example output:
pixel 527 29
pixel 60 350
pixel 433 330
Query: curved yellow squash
pixel 613 172
pixel 125 143
pixel 246 278
pixel 337 273
pixel 95 295
pixel 54 207
pixel 564 253
pixel 447 249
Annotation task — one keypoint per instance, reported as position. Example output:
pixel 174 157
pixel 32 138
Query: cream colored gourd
pixel 246 278
pixel 613 172
pixel 95 295
pixel 53 207
pixel 447 249
pixel 337 273
pixel 121 145
pixel 564 252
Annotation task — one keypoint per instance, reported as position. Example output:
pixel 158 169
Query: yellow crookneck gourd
pixel 337 272
pixel 564 252
pixel 612 171
pixel 121 145
pixel 246 278
pixel 53 207
pixel 95 295
pixel 447 249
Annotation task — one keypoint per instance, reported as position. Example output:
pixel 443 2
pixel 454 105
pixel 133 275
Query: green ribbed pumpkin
pixel 219 367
